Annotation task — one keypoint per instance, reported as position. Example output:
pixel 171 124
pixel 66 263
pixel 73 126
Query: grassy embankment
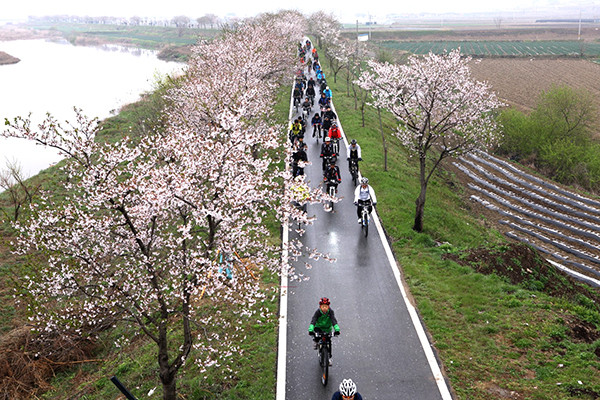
pixel 492 336
pixel 173 46
pixel 135 363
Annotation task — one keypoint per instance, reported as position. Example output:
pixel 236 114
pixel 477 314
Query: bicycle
pixel 336 145
pixel 317 130
pixel 303 207
pixel 331 190
pixel 354 170
pixel 365 217
pixel 324 349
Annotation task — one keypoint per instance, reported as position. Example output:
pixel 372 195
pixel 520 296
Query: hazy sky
pixel 344 10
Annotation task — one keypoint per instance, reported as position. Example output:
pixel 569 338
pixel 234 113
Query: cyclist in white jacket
pixel 364 196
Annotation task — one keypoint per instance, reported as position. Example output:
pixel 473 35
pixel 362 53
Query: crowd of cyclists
pixel 324 124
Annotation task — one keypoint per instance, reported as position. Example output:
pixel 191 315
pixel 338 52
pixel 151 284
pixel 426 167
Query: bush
pixel 556 138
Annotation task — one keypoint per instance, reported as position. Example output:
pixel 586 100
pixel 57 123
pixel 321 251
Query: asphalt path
pixel 379 347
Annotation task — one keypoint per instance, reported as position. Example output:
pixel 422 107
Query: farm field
pixel 493 48
pixel 519 82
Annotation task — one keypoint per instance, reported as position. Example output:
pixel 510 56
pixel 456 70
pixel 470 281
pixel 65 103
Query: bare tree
pixel 13 181
pixel 135 20
pixel 498 22
pixel 181 22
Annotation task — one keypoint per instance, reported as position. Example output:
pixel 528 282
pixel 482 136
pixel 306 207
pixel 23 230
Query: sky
pixel 344 10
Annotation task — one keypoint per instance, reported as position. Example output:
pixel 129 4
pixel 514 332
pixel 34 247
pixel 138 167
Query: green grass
pixel 490 335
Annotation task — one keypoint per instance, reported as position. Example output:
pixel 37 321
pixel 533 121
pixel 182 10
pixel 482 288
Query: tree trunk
pixel 169 389
pixel 420 202
pixel 385 150
pixel 348 88
pixel 167 376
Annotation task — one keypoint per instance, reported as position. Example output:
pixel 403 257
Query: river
pixel 54 77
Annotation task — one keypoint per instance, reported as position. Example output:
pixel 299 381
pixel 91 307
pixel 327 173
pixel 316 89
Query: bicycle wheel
pixel 354 173
pixel 331 193
pixel 365 224
pixel 324 359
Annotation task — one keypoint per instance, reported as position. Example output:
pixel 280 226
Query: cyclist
pixel 327 151
pixel 323 320
pixel 316 123
pixel 323 85
pixel 332 176
pixel 295 131
pixel 347 391
pixel 297 95
pixel 301 194
pixel 298 156
pixel 306 105
pixel 323 103
pixel 310 93
pixel 335 134
pixel 353 153
pixel 364 196
pixel 320 76
pixel 329 117
pixel 328 93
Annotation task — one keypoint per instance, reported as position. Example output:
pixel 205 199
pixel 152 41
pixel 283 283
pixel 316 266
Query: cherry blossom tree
pixel 339 52
pixel 135 239
pixel 324 27
pixel 441 109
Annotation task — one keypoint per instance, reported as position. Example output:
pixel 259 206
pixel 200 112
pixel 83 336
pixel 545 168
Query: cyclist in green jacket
pixel 324 321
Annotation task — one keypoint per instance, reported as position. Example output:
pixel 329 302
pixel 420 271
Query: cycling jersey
pixel 333 174
pixel 335 133
pixel 324 322
pixel 364 194
pixel 353 152
pixel 327 149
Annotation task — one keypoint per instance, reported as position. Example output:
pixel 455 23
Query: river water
pixel 54 77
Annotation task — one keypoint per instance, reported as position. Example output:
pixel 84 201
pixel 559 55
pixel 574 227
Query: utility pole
pixel 579 32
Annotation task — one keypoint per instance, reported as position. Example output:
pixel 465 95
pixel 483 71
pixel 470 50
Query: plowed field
pixel 519 82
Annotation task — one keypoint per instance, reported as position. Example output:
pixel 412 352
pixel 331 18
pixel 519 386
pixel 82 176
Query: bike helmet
pixel 324 300
pixel 347 388
pixel 327 139
pixel 353 141
pixel 332 161
pixel 364 181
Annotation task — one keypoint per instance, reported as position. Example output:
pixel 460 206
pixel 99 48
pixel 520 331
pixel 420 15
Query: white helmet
pixel 347 388
pixel 364 181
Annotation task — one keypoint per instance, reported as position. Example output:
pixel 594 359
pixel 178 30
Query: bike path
pixel 379 348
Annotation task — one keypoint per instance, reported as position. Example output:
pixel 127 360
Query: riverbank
pixel 170 44
pixel 6 58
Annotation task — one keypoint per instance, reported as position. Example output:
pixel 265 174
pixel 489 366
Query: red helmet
pixel 324 300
